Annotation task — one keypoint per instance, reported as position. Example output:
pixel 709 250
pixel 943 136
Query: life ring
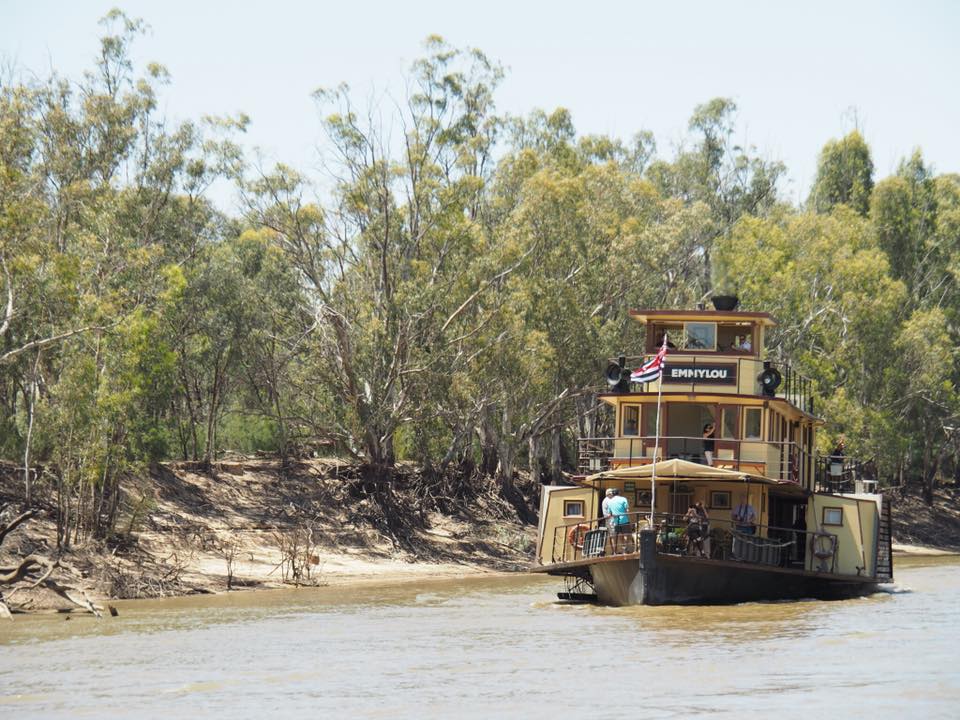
pixel 821 551
pixel 577 534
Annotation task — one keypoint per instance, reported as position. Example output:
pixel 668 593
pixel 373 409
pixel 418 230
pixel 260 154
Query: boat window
pixel 735 337
pixel 701 336
pixel 674 336
pixel 631 420
pixel 720 500
pixel 649 420
pixel 751 423
pixel 728 422
pixel 573 508
pixel 832 516
pixel 643 498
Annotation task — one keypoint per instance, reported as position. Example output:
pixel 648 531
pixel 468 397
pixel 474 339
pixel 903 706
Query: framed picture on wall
pixel 643 498
pixel 720 499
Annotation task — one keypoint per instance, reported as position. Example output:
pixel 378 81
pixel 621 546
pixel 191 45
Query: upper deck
pixel 716 373
pixel 715 352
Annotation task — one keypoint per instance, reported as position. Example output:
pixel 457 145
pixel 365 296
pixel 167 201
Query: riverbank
pixel 252 524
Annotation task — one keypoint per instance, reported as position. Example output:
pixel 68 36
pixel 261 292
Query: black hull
pixel 691 581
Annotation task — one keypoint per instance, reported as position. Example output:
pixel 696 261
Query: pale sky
pixel 801 73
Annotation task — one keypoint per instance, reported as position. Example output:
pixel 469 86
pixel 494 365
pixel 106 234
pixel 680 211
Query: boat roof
pixel 677 469
pixel 758 318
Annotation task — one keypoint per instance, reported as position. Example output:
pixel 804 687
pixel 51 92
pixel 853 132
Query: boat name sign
pixel 703 374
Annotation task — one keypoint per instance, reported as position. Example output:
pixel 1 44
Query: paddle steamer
pixel 819 527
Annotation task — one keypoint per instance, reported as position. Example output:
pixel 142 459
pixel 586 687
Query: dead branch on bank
pixel 36 571
pixel 298 554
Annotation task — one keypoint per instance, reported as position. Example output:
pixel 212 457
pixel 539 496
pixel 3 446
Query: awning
pixel 677 469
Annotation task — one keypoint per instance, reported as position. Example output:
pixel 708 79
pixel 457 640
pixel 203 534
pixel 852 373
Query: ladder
pixel 884 547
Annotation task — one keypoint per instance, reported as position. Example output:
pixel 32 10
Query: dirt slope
pixel 319 522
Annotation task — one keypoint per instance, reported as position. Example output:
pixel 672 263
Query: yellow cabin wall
pixel 551 511
pixel 856 538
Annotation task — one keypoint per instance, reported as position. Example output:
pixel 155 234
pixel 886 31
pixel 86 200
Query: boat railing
pixel 794 387
pixel 845 475
pixel 778 460
pixel 720 540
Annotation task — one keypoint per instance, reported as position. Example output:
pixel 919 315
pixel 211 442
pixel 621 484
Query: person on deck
pixel 744 517
pixel 837 458
pixel 695 531
pixel 709 442
pixel 605 509
pixel 704 526
pixel 618 507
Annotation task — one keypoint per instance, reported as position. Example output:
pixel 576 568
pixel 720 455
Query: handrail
pixel 791 464
pixel 767 545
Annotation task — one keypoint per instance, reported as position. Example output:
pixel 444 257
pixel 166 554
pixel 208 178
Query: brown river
pixel 493 647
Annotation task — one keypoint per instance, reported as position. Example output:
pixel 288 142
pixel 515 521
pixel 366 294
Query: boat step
pixel 575 597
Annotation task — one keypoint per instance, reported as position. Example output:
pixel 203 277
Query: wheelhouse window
pixel 735 337
pixel 700 336
pixel 631 420
pixel 573 508
pixel 752 423
pixel 674 334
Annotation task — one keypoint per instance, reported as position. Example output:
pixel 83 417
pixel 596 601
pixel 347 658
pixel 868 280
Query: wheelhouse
pixel 716 374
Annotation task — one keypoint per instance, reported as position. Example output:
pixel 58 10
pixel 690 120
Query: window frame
pixel 830 508
pixel 623 420
pixel 717 494
pixel 686 336
pixel 746 411
pixel 568 503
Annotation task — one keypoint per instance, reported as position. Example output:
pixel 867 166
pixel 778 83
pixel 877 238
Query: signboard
pixel 701 374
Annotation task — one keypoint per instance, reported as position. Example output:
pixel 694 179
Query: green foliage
pixel 844 175
pixel 450 299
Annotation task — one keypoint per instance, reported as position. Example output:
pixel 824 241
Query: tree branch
pixel 48 341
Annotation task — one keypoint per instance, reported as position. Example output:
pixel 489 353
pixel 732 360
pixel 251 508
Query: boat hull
pixel 675 580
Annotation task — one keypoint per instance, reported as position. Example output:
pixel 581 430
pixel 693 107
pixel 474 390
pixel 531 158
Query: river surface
pixel 492 647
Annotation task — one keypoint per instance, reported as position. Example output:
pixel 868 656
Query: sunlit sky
pixel 801 73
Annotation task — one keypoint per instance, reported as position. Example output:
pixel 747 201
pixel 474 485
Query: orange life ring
pixel 577 534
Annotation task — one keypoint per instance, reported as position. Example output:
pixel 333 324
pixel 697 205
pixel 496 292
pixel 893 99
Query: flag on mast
pixel 653 369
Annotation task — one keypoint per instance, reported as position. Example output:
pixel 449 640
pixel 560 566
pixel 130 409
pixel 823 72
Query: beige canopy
pixel 676 469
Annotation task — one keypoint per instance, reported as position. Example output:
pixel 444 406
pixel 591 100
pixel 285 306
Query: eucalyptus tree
pixel 103 196
pixel 844 175
pixel 393 272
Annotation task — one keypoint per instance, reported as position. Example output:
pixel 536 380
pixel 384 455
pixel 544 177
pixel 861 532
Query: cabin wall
pixel 552 503
pixel 856 537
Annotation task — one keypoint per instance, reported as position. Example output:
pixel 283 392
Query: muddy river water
pixel 493 647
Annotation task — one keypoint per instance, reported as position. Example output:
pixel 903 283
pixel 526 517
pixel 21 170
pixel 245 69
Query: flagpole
pixel 644 375
pixel 656 452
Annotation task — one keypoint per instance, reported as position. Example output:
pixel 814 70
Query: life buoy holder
pixel 577 534
pixel 817 547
